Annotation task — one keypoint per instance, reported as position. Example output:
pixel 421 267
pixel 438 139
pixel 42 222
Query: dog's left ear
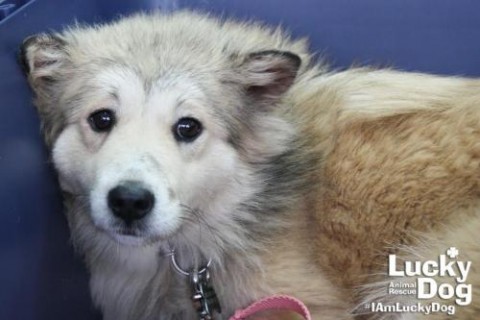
pixel 267 75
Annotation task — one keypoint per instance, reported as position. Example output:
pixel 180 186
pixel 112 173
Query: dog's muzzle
pixel 130 201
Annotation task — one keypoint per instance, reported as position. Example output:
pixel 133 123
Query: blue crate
pixel 40 276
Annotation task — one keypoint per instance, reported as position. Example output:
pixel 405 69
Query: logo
pixel 444 280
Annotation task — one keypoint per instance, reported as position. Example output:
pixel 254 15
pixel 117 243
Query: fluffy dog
pixel 226 142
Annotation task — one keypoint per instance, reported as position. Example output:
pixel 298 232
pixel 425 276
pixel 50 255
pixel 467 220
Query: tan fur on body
pixel 390 175
pixel 382 162
pixel 396 179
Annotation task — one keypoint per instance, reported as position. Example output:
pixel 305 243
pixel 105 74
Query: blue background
pixel 40 276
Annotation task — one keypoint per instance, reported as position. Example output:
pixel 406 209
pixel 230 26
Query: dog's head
pixel 159 122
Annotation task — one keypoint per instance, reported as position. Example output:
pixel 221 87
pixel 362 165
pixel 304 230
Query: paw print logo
pixel 452 252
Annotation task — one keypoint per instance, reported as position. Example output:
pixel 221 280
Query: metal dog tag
pixel 204 298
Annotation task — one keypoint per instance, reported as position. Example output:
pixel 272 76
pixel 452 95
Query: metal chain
pixel 204 297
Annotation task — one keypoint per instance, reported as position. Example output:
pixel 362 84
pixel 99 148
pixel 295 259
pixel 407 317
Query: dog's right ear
pixel 42 57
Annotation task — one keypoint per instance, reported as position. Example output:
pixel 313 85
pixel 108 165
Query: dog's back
pixel 401 173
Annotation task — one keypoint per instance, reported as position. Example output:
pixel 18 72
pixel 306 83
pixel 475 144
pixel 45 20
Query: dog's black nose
pixel 130 201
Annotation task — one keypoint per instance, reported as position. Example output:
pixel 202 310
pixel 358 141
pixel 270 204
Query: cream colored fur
pixel 305 195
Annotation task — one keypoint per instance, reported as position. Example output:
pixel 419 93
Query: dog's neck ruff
pixel 206 303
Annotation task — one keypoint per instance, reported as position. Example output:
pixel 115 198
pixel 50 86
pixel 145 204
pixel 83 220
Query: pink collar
pixel 279 302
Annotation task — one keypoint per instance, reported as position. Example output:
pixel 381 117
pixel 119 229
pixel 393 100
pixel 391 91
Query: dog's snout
pixel 130 201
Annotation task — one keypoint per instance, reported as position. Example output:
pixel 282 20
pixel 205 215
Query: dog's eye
pixel 102 120
pixel 187 129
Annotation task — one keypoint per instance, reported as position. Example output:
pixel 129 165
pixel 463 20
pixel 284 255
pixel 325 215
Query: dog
pixel 196 151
